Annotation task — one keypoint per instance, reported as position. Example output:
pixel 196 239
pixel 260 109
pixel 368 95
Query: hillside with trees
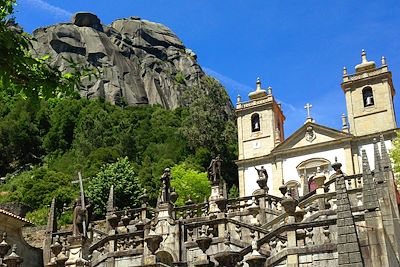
pixel 48 133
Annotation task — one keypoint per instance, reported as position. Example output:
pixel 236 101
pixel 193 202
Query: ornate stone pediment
pixel 311 134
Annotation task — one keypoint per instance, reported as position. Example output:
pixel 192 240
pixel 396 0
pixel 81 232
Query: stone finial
pixel 56 247
pixel 4 246
pixel 258 84
pixel 336 166
pixel 365 164
pixel 238 99
pixel 383 61
pixel 255 259
pixel 377 156
pixel 385 163
pixel 52 218
pixel 345 126
pixel 344 71
pixel 13 260
pixel 111 200
pixel 365 64
pixel 370 199
pixel 363 56
pixel 258 93
pixel 269 90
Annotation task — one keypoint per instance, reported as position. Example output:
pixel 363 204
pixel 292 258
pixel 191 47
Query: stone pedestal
pixel 214 197
pixel 164 211
pixel 78 251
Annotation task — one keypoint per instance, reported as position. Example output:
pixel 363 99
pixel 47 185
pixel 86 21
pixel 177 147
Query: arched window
pixel 307 170
pixel 368 96
pixel 255 122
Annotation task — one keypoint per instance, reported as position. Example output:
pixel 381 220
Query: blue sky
pixel 297 47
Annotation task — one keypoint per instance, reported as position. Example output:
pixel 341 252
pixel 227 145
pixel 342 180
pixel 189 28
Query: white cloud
pixel 54 10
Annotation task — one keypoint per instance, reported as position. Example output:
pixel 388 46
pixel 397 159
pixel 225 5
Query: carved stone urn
pixel 221 203
pixel 173 196
pixel 4 246
pixel 256 260
pixel 113 220
pixel 153 242
pixel 228 258
pixel 204 242
pixel 289 204
pixel 283 189
pixel 319 179
pixel 13 260
pixel 299 214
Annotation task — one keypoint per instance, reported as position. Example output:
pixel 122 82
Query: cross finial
pixel 308 107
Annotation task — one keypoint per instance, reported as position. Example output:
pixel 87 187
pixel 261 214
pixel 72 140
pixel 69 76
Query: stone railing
pixel 119 242
pixel 191 211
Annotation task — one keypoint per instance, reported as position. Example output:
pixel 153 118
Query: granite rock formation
pixel 138 61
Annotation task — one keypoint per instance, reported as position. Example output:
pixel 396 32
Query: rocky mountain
pixel 137 61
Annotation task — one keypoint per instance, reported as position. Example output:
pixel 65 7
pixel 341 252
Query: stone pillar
pixel 214 197
pixel 50 229
pixel 289 204
pixel 348 156
pixel 349 253
pixel 260 193
pixel 319 179
pixel 242 182
pixel 292 259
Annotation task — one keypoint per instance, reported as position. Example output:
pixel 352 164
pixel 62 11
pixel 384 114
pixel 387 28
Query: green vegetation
pixel 122 176
pixel 48 134
pixel 188 182
pixel 395 154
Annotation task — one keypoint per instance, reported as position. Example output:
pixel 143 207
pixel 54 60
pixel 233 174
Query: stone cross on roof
pixel 308 107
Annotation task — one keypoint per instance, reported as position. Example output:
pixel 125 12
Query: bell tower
pixel 260 123
pixel 369 97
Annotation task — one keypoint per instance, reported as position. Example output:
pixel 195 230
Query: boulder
pixel 137 61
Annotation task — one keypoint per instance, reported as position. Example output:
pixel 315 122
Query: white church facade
pixel 294 161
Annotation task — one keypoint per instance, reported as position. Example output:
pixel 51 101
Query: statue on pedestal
pixel 166 185
pixel 214 170
pixel 80 219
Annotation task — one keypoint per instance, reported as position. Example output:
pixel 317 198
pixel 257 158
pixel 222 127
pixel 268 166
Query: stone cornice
pixel 290 151
pixel 268 100
pixel 344 142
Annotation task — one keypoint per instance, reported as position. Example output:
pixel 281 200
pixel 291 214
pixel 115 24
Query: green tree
pixel 395 153
pixel 188 182
pixel 38 187
pixel 126 186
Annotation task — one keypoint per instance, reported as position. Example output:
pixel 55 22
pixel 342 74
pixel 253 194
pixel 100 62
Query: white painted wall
pixel 251 176
pixel 290 164
pixel 369 149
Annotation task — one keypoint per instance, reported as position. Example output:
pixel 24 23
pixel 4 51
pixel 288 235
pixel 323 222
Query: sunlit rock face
pixel 137 61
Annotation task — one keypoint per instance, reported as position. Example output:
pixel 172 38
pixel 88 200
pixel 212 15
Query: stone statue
pixel 214 170
pixel 262 173
pixel 80 218
pixel 166 184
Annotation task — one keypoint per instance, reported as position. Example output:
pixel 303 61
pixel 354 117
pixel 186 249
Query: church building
pixel 312 149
